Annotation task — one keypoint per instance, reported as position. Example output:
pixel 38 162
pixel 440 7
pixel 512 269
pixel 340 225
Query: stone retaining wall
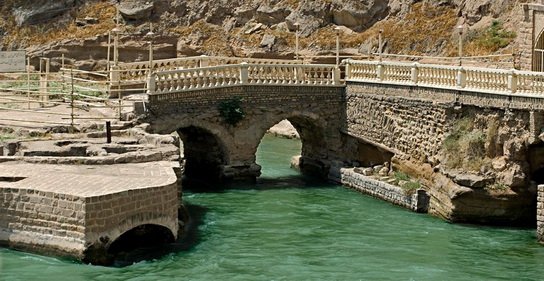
pixel 109 216
pixel 417 202
pixel 42 221
pixel 396 121
pixel 414 121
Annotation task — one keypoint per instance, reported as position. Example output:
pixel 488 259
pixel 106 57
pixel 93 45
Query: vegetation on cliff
pixel 240 27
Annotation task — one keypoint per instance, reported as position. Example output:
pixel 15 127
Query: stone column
pixel 540 214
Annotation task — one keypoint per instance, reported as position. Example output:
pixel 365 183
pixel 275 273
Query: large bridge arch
pixel 311 129
pixel 205 152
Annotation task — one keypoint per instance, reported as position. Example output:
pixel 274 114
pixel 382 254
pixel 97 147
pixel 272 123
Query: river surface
pixel 289 228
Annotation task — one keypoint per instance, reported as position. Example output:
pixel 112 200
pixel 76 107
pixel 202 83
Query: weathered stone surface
pixel 271 15
pixel 284 129
pixel 136 9
pixel 468 179
pixel 41 11
pixel 358 15
pixel 268 41
pixel 311 15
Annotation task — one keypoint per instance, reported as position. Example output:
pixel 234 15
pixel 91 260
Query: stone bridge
pixel 378 112
pixel 187 101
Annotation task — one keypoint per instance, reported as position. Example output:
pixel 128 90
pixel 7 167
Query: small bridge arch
pixel 204 151
pixel 109 216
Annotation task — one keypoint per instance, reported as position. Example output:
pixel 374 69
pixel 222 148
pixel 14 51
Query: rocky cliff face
pixel 251 27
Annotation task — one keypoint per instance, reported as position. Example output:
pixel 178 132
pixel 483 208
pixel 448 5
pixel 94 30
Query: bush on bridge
pixel 231 111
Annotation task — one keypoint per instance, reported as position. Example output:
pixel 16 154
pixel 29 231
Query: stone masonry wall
pixel 525 35
pixel 540 214
pixel 42 221
pixel 404 125
pixel 109 216
pixel 528 31
pixel 413 121
pixel 417 202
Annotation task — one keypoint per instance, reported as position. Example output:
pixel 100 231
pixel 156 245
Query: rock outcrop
pixel 239 27
pixel 41 11
pixel 136 10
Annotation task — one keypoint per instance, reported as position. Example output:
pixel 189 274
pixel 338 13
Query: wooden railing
pixel 183 80
pixel 468 78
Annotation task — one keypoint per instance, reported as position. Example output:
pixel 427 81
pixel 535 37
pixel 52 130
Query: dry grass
pixel 51 32
pixel 426 29
pixel 213 37
pixel 489 40
pixel 464 147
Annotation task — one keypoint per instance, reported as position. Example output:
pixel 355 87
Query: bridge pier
pixel 240 172
pixel 312 167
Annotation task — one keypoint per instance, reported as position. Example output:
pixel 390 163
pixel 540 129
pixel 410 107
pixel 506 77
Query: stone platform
pixel 76 195
pixel 77 210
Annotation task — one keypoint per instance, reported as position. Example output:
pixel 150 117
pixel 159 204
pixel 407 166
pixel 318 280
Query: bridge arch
pixel 312 131
pixel 204 151
pixel 142 236
pixel 162 228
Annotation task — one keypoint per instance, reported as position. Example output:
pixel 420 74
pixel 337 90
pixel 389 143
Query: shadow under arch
pixel 143 242
pixel 205 153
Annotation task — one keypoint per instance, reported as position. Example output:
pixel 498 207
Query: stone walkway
pixel 20 116
pixel 86 181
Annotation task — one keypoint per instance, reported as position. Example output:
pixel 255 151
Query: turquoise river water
pixel 288 228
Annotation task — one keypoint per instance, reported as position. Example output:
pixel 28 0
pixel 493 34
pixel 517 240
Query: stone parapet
pixel 418 201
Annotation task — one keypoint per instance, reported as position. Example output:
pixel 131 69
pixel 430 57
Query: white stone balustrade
pixel 183 80
pixel 494 81
pixel 139 71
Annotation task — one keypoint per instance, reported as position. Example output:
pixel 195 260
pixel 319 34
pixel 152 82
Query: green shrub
pixel 231 111
pixel 400 176
pixel 489 40
pixel 412 186
pixel 464 147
